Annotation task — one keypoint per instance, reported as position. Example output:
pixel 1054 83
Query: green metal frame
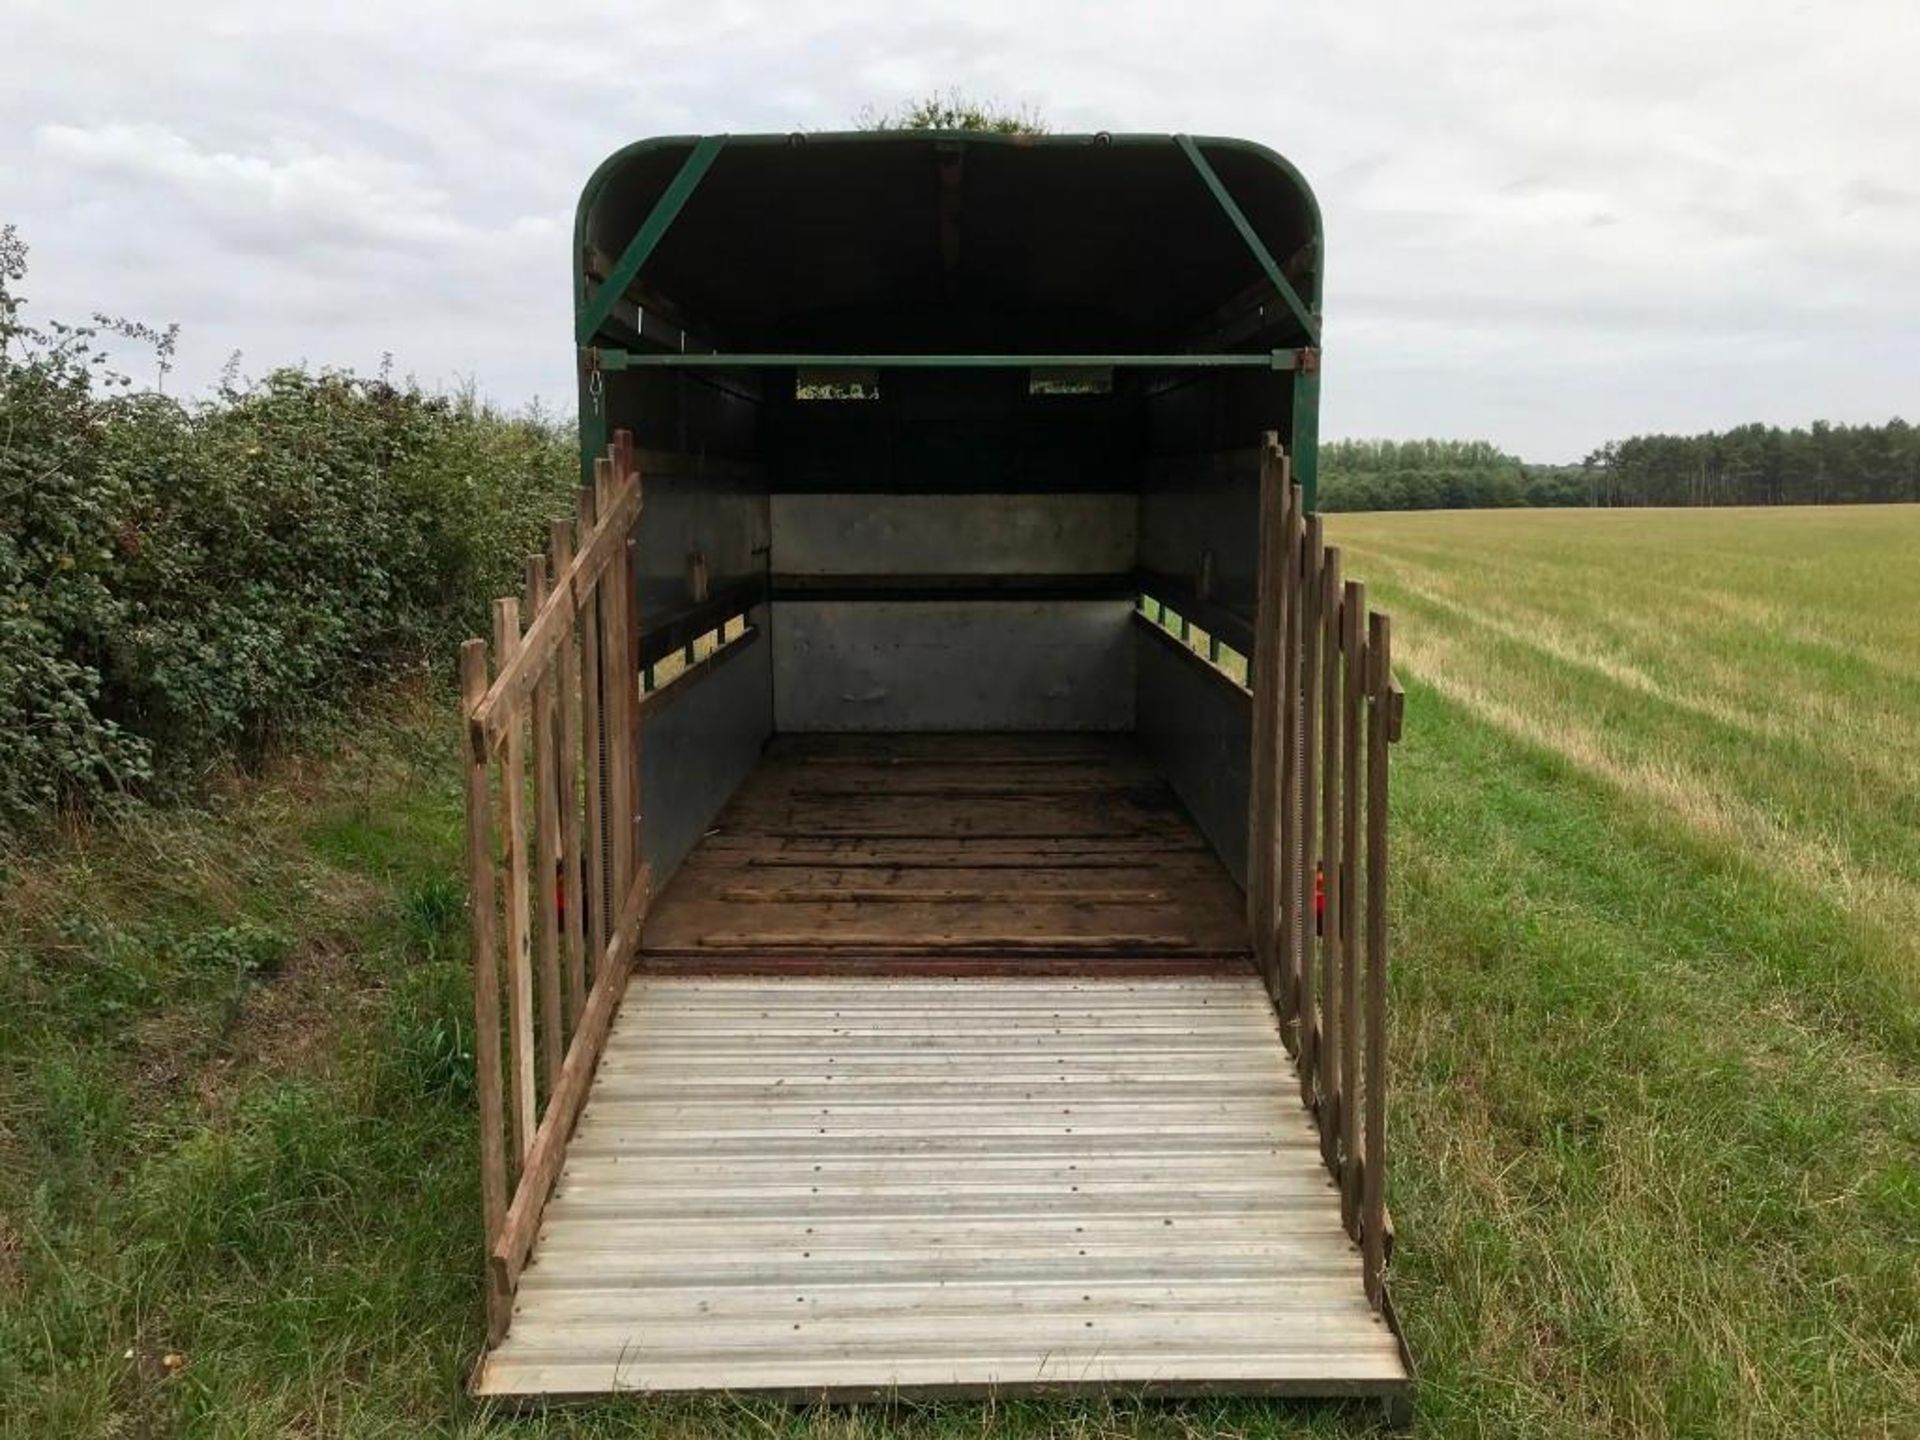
pixel 1304 442
pixel 1247 233
pixel 594 312
pixel 693 359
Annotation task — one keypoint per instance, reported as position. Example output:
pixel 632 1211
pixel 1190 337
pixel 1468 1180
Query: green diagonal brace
pixel 1254 243
pixel 595 312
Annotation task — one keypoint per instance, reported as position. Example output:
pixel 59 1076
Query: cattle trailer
pixel 927 812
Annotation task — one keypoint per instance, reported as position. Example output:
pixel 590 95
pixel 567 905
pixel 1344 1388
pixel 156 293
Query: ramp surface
pixel 853 1186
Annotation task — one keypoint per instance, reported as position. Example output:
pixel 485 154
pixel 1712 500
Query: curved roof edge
pixel 604 171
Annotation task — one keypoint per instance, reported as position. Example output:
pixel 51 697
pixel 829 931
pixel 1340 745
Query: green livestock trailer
pixel 928 808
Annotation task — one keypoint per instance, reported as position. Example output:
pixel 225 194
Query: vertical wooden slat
pixel 483 901
pixel 1289 792
pixel 1312 1018
pixel 1353 606
pixel 593 742
pixel 612 603
pixel 513 779
pixel 1263 767
pixel 547 875
pixel 567 779
pixel 1373 1225
pixel 631 694
pixel 1333 1017
pixel 627 472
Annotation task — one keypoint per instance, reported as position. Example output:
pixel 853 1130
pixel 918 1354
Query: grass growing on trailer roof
pixel 1658 1082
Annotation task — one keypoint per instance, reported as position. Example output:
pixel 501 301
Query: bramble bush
pixel 185 582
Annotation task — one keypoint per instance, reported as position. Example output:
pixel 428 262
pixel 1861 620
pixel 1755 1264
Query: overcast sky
pixel 1548 223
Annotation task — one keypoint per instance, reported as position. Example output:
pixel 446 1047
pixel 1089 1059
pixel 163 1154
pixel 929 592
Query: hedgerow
pixel 186 582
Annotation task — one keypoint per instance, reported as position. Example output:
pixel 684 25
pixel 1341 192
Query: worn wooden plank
pixel 1263 765
pixel 944 887
pixel 1183 846
pixel 1373 1226
pixel 594 756
pixel 627 472
pixel 1287 798
pixel 1333 1015
pixel 803 1377
pixel 722 926
pixel 519 949
pixel 1304 906
pixel 613 611
pixel 630 698
pixel 1250 1292
pixel 483 905
pixel 547 875
pixel 573 910
pixel 1145 812
pixel 1353 609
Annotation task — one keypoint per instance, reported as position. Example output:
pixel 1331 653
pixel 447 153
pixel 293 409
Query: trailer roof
pixel 950 241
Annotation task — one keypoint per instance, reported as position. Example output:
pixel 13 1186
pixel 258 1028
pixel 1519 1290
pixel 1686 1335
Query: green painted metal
pixel 1305 439
pixel 1248 234
pixel 1303 435
pixel 683 359
pixel 594 312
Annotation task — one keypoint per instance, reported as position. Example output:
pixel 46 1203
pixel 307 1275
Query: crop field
pixel 1658 969
pixel 1655 1025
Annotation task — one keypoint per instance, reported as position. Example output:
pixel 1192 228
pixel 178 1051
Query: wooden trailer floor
pixel 949 853
pixel 973 1091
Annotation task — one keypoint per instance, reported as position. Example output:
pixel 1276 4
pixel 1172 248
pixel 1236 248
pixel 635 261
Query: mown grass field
pixel 1656 1021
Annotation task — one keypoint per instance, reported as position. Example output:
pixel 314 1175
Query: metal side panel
pixel 953 665
pixel 722 518
pixel 954 534
pixel 1197 730
pixel 695 753
pixel 1200 506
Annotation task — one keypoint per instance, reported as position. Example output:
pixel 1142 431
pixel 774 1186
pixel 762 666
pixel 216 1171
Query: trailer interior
pixel 973 1040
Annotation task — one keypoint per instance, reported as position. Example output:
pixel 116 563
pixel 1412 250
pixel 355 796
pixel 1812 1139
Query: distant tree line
pixel 1750 465
pixel 1439 475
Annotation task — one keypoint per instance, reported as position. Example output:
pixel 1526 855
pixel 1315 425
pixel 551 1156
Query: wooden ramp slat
pixel 866 1186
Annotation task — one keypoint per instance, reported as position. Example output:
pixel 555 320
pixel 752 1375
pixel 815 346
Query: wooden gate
pixel 1326 707
pixel 564 911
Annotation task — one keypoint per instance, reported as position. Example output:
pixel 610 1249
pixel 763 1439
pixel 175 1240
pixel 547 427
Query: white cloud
pixel 1547 223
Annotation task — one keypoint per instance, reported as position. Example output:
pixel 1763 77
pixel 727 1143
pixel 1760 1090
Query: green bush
pixel 185 582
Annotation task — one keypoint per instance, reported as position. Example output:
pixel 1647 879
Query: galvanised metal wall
pixel 703 491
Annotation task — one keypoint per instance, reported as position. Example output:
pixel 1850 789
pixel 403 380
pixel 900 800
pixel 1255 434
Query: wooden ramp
pixel 946 1070
pixel 856 1186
